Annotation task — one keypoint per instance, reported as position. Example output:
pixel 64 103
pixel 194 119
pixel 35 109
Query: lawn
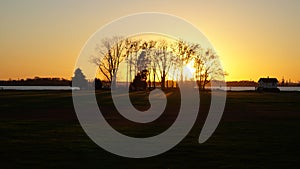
pixel 39 129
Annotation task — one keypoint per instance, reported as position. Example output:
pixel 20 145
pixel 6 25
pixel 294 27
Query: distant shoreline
pixel 37 88
pixel 58 88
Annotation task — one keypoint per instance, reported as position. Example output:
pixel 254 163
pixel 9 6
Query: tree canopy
pixel 79 79
pixel 159 58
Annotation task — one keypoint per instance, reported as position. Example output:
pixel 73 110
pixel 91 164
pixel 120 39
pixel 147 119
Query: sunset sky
pixel 253 38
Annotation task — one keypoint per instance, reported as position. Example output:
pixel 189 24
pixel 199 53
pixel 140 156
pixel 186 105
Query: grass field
pixel 39 129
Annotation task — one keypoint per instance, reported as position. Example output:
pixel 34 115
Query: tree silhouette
pixel 98 84
pixel 206 67
pixel 164 60
pixel 149 47
pixel 184 52
pixel 158 57
pixel 111 52
pixel 140 81
pixel 79 79
pixel 132 48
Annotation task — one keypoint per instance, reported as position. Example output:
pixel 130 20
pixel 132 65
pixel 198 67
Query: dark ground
pixel 39 129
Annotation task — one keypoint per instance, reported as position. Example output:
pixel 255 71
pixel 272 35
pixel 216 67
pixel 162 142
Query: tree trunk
pixel 163 80
pixel 154 85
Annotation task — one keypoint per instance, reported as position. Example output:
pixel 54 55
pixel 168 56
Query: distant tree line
pixel 246 83
pixel 243 83
pixel 36 81
pixel 288 83
pixel 79 80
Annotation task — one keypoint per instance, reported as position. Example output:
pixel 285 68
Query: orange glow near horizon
pixel 253 39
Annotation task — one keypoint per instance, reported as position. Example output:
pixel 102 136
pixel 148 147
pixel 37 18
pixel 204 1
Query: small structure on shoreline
pixel 268 84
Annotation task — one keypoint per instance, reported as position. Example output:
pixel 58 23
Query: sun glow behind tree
pixel 165 59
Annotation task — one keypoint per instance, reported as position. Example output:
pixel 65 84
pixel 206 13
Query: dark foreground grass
pixel 39 129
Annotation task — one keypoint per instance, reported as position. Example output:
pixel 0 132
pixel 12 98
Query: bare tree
pixel 129 50
pixel 164 60
pixel 160 57
pixel 148 47
pixel 136 46
pixel 133 47
pixel 110 54
pixel 207 67
pixel 184 52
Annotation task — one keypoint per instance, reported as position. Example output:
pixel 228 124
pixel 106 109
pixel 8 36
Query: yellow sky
pixel 253 38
